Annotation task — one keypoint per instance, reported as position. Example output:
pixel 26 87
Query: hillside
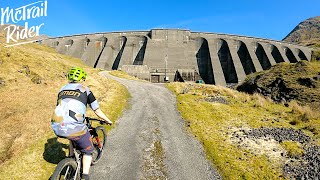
pixel 306 33
pixel 249 136
pixel 30 77
pixel 296 86
pixel 285 82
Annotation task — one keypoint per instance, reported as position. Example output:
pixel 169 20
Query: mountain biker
pixel 69 114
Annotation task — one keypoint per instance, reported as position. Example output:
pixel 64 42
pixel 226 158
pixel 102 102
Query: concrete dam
pixel 161 55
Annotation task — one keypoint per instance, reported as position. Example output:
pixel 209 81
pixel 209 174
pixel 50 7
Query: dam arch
pixel 55 43
pixel 301 55
pixel 232 57
pixel 139 56
pixel 93 48
pixel 262 57
pixel 226 62
pixel 290 55
pixel 204 61
pixel 70 42
pixel 122 43
pixel 100 44
pixel 276 54
pixel 86 43
pixel 139 59
pixel 245 58
pixel 78 47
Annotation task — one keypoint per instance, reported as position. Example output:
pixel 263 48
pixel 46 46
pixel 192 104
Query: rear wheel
pixel 99 142
pixel 66 169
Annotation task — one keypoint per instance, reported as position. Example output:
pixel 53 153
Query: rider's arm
pixel 101 115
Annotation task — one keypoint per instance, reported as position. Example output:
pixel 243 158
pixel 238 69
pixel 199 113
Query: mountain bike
pixel 70 168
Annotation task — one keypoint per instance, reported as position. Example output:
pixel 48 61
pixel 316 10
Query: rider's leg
pixel 86 160
pixel 84 143
pixel 86 146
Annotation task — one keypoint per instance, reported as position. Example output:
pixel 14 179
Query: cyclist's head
pixel 76 74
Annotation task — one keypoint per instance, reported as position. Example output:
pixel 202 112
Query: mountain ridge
pixel 306 32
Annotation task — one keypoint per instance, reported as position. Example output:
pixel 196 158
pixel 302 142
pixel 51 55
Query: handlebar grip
pixel 102 122
pixel 94 119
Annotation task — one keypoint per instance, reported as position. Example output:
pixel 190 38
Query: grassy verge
pixel 31 75
pixel 214 113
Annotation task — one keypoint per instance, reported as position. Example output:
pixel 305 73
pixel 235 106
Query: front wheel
pixel 66 169
pixel 99 140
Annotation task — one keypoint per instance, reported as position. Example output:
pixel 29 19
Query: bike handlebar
pixel 94 119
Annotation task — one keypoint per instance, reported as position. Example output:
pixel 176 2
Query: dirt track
pixel 150 141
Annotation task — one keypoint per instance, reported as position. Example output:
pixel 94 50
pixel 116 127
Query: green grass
pixel 213 124
pixel 294 149
pixel 316 53
pixel 29 149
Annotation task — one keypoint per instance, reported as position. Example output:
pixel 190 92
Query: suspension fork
pixel 95 135
pixel 98 141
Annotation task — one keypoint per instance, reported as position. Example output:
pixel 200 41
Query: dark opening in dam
pixel 290 56
pixel 55 43
pixel 123 41
pixel 204 62
pixel 245 59
pixel 100 45
pixel 226 61
pixel 140 56
pixel 276 54
pixel 262 57
pixel 70 42
pixel 301 55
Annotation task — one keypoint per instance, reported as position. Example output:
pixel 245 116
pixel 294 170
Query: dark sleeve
pixel 92 101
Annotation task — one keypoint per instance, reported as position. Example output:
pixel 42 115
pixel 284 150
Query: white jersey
pixel 68 118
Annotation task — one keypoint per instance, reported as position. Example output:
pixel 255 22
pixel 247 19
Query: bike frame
pixel 78 154
pixel 78 159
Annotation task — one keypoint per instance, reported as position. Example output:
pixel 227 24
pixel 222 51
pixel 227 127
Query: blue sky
pixel 272 19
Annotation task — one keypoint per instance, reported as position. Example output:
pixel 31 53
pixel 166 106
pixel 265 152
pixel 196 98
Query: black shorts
pixel 83 143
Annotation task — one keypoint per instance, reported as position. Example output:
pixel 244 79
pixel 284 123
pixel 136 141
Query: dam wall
pixel 219 59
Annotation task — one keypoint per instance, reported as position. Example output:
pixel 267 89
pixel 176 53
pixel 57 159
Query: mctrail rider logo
pixel 11 16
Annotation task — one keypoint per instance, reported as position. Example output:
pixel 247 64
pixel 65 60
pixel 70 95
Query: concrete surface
pixel 222 61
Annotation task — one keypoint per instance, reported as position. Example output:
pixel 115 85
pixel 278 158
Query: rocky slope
pixel 306 33
pixel 285 82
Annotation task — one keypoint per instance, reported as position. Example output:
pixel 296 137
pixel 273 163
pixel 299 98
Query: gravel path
pixel 150 141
